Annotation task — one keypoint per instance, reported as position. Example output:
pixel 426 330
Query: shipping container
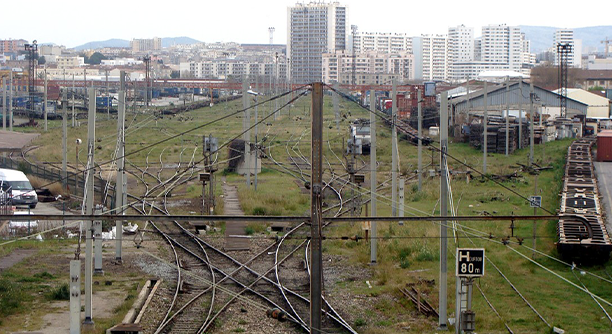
pixel 604 146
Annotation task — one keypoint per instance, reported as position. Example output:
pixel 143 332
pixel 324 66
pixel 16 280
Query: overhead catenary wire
pixel 489 178
pixel 200 127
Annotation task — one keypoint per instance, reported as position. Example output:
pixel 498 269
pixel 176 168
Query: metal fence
pixel 75 182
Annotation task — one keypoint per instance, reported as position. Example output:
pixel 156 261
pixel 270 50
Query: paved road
pixel 604 179
pixel 46 208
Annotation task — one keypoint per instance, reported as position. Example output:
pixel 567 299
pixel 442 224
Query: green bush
pixel 425 254
pixel 62 292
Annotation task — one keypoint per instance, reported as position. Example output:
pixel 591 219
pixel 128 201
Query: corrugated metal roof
pixel 496 99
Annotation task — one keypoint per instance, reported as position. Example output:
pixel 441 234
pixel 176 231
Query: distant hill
pixel 542 37
pixel 111 43
pixel 122 43
pixel 170 41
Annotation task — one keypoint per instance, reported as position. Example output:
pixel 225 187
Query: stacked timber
pixel 512 139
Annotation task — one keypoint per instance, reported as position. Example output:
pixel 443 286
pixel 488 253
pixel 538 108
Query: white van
pixel 19 188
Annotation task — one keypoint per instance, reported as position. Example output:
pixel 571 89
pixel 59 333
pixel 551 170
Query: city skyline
pixel 244 23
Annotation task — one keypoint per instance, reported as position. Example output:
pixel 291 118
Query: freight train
pixel 582 232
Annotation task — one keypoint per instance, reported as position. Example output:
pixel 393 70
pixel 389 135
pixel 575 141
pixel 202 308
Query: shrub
pixel 61 293
pixel 425 254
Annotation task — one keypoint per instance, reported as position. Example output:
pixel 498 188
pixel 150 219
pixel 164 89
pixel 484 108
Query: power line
pixel 448 155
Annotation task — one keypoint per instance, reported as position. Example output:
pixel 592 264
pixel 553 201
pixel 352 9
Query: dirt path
pixel 15 257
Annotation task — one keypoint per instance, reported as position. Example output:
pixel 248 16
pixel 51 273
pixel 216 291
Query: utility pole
pixel 11 102
pixel 89 202
pixel 246 103
pixel 45 99
pixel 75 296
pixel 256 132
pixel 336 106
pixel 520 127
pixel 121 183
pixel 485 130
pixel 443 210
pixel 394 151
pixel 353 81
pixel 108 100
pixel 316 256
pixel 64 140
pixel 97 230
pixel 276 84
pixel 147 61
pixel 373 176
pixel 402 183
pixel 535 211
pixel 507 114
pixel 73 93
pixel 4 102
pixel 420 134
pixel 532 123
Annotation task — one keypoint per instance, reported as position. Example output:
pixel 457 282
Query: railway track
pixel 237 278
pixel 583 240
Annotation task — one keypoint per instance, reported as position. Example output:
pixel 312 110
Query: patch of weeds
pixel 249 230
pixel 44 275
pixel 417 196
pixel 384 323
pixel 239 330
pixel 360 322
pixel 404 264
pixel 61 292
pixel 259 211
pixel 425 254
pixel 11 297
pixel 242 322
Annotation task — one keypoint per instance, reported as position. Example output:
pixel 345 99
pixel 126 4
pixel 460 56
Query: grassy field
pixel 407 254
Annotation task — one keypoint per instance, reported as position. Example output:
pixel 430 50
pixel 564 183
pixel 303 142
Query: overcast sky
pixel 75 22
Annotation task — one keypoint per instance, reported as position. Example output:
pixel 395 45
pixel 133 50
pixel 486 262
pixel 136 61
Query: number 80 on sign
pixel 470 262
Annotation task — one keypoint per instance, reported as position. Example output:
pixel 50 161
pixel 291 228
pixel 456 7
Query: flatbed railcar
pixel 582 232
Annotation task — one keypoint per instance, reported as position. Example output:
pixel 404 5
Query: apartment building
pixel 370 67
pixel 502 44
pixel 460 48
pixel 226 68
pixel 64 62
pixel 566 36
pixel 12 45
pixel 313 29
pixel 381 42
pixel 500 48
pixel 431 57
pixel 146 44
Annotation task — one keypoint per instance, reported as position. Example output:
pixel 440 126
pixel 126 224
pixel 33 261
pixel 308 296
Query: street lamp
pixel 76 181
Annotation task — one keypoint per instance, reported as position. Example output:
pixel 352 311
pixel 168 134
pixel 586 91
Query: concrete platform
pixel 235 234
pixel 15 141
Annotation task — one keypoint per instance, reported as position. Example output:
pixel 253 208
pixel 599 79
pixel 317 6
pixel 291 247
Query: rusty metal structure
pixel 584 240
pixel 563 52
pixel 32 50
